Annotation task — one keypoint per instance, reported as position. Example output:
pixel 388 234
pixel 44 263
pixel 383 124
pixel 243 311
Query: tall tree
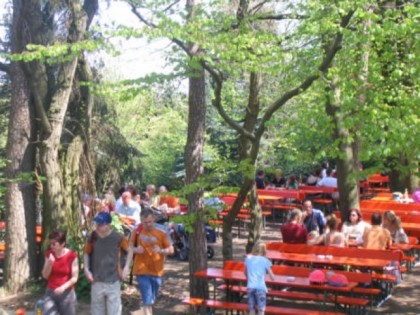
pixel 20 262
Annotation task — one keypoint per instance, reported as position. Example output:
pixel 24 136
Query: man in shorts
pixel 102 266
pixel 150 244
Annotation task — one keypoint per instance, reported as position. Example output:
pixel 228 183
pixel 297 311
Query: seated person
pixel 314 178
pixel 278 181
pixel 168 204
pixel 354 227
pixel 149 197
pixel 333 237
pixel 329 181
pixel 377 237
pixel 393 224
pixel 313 219
pixel 293 231
pixel 260 179
pixel 292 183
pixel 128 211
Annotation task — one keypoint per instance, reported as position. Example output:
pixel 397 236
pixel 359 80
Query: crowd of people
pixel 324 176
pixel 310 226
pixel 109 254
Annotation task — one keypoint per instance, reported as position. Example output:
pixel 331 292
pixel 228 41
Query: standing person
pixel 102 266
pixel 151 245
pixel 313 219
pixel 256 267
pixel 61 269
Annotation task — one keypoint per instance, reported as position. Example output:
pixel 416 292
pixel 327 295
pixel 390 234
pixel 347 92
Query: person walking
pixel 256 267
pixel 61 269
pixel 102 266
pixel 150 244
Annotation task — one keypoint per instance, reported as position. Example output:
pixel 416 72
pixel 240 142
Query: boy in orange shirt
pixel 152 245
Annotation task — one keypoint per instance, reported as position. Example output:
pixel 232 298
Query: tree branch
pixel 332 49
pixel 280 17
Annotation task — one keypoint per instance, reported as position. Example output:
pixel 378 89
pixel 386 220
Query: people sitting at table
pixel 278 180
pixel 314 178
pixel 292 182
pixel 377 237
pixel 294 231
pixel 150 197
pixel 354 227
pixel 331 238
pixel 128 211
pixel 168 204
pixel 260 179
pixel 393 224
pixel 313 219
pixel 329 181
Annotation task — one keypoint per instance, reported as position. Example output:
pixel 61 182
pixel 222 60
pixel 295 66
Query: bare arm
pixel 86 263
pixel 126 269
pixel 46 270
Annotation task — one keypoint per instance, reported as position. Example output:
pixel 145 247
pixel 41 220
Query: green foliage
pixel 57 53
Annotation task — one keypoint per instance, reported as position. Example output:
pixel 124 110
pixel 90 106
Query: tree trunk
pixel 20 261
pixel 346 170
pixel 72 190
pixel 51 86
pixel 194 169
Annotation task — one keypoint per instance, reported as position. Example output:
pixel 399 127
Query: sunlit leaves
pixel 59 52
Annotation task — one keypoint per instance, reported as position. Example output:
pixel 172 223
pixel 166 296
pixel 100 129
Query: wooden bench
pixel 379 276
pixel 236 306
pixel 359 302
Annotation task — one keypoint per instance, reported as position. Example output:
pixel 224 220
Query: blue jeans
pixel 149 288
pixel 256 297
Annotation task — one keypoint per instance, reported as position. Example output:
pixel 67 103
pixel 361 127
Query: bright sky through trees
pixel 137 57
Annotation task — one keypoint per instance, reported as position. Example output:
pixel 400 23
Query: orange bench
pixel 359 302
pixel 236 306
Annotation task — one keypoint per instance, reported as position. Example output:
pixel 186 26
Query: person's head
pixel 355 216
pixel 126 197
pixel 259 249
pixel 325 164
pixel 147 219
pixel 332 222
pixel 307 207
pixel 103 221
pixel 329 171
pixel 57 239
pixel 291 179
pixel 151 190
pixel 278 173
pixel 260 173
pixel 163 190
pixel 132 189
pixel 391 219
pixel 295 215
pixel 376 218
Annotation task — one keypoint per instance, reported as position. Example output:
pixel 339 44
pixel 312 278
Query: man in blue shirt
pixel 313 218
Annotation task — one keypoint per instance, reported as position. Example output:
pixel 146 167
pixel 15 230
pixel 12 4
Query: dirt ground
pixel 405 298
